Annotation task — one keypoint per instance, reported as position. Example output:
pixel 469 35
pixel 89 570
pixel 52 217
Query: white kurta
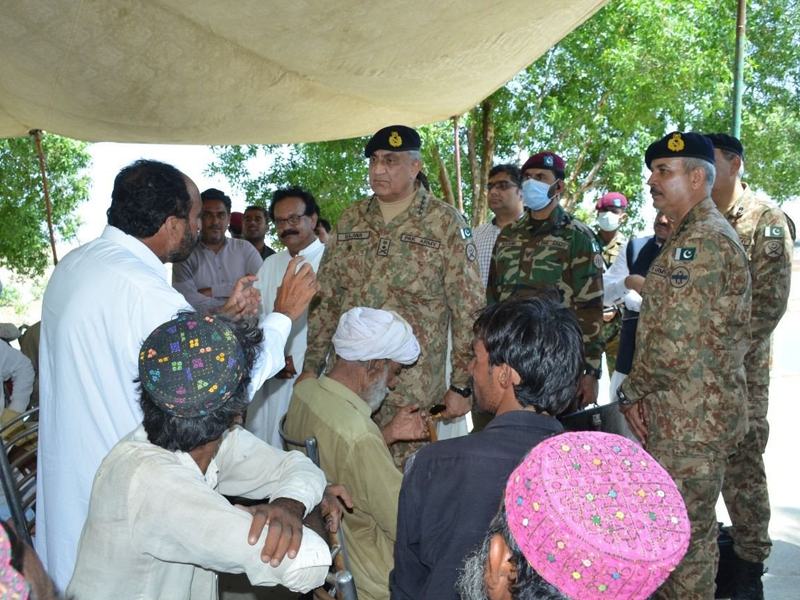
pixel 271 402
pixel 17 367
pixel 101 303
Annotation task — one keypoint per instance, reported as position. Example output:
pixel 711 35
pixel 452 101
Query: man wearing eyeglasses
pixel 294 211
pixel 403 250
pixel 505 199
pixel 551 249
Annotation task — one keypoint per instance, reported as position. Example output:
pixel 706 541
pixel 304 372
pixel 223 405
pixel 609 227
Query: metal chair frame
pixel 342 578
pixel 19 486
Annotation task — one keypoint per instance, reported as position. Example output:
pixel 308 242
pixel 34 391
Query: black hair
pixel 294 191
pixel 512 171
pixel 185 434
pixel 560 174
pixel 145 193
pixel 215 194
pixel 256 207
pixel 324 223
pixel 542 341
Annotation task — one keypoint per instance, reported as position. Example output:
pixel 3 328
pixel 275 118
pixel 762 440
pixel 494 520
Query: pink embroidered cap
pixel 597 516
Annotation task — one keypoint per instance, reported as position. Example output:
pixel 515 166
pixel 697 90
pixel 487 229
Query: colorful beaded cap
pixel 191 365
pixel 12 583
pixel 597 516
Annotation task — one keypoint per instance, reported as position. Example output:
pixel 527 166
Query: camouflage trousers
pixel 745 488
pixel 698 473
pixel 401 451
pixel 611 355
pixel 610 334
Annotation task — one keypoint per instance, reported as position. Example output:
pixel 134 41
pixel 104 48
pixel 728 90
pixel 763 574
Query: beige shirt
pixel 158 529
pixel 353 453
pixel 389 210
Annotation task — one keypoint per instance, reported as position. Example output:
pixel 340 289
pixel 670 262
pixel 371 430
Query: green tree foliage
pixel 634 71
pixel 24 238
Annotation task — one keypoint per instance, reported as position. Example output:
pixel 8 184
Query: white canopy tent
pixel 261 71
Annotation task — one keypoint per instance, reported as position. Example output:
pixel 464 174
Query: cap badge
pixel 675 143
pixel 395 140
pixel 548 161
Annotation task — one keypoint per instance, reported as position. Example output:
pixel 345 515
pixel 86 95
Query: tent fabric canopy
pixel 250 71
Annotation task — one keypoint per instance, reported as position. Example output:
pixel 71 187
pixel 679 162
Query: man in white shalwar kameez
pixel 294 212
pixel 102 300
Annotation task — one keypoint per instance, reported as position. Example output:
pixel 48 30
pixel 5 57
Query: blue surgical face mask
pixel 535 194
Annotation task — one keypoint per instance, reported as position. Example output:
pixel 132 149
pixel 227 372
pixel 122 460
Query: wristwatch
pixel 596 373
pixel 623 399
pixel 465 392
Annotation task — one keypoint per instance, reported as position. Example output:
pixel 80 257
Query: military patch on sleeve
pixel 679 277
pixel 472 252
pixel 658 270
pixel 352 235
pixel 383 246
pixel 685 253
pixel 598 262
pixel 773 249
pixel 466 233
pixel 773 231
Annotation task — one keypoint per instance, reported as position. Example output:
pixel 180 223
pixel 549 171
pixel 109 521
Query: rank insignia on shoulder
pixel 466 233
pixel 685 253
pixel 772 231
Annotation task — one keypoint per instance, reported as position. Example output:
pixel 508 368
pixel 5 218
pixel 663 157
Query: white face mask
pixel 608 221
pixel 535 194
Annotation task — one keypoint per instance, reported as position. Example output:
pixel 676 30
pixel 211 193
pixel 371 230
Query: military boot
pixel 748 581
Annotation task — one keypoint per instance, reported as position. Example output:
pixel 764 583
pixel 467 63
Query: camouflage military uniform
pixel 422 265
pixel 763 230
pixel 611 330
pixel 558 253
pixel 688 368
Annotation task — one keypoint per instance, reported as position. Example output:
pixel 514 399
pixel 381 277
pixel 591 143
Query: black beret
pixel 723 141
pixel 396 138
pixel 680 145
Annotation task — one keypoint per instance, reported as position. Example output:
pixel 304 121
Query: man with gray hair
pixel 685 397
pixel 372 347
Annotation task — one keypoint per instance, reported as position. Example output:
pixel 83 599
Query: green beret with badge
pixel 680 145
pixel 395 138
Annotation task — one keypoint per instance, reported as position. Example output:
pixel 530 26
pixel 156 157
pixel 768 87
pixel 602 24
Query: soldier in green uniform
pixel 610 216
pixel 403 250
pixel 767 237
pixel 685 398
pixel 551 249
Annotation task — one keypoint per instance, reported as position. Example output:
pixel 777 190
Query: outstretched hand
pixel 244 300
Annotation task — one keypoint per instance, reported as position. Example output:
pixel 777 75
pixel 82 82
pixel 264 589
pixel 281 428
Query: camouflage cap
pixel 395 138
pixel 544 160
pixel 680 145
pixel 723 141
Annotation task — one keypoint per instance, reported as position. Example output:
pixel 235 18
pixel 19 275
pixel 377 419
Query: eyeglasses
pixel 291 220
pixel 500 185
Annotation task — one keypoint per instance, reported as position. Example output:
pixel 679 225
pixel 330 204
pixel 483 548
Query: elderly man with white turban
pixel 372 347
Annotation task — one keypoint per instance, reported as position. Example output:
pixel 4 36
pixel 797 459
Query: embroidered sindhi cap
pixel 723 141
pixel 396 138
pixel 12 583
pixel 597 516
pixel 544 160
pixel 612 200
pixel 191 365
pixel 677 145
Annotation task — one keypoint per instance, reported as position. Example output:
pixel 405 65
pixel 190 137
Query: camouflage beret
pixel 395 138
pixel 680 145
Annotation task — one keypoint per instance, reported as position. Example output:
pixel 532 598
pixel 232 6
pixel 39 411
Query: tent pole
pixel 458 165
pixel 36 133
pixel 738 73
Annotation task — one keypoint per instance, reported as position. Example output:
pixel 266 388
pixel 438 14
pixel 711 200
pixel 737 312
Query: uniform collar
pixel 737 209
pixel 419 204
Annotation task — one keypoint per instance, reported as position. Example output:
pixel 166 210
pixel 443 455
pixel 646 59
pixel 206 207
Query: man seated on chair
pixel 528 360
pixel 371 346
pixel 159 525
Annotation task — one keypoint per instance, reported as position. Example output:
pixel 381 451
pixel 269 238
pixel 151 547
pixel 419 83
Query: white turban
pixel 372 334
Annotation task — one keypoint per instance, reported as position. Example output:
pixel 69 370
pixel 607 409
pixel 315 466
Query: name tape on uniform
pixel 352 235
pixel 658 270
pixel 415 239
pixel 685 253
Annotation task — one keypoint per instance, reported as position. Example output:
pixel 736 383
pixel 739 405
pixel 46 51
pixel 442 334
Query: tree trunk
pixel 480 203
pixel 472 157
pixel 444 178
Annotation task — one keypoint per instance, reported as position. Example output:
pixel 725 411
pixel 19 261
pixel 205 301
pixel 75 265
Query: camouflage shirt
pixel 609 251
pixel 558 253
pixel 422 264
pixel 694 330
pixel 765 235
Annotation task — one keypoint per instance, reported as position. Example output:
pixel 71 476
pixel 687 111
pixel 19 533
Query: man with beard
pixel 294 212
pixel 372 346
pixel 88 362
pixel 207 277
pixel 528 360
